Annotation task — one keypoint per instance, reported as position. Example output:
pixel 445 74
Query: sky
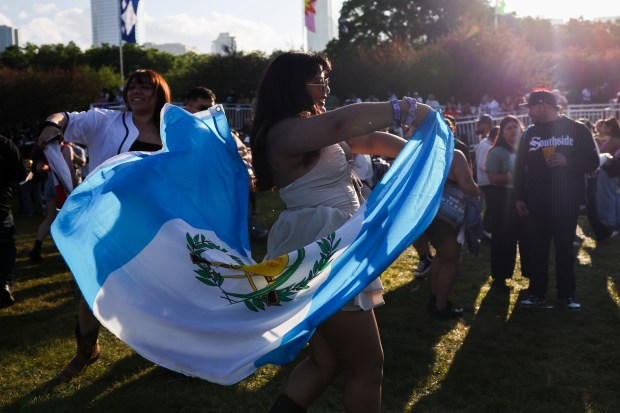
pixel 264 25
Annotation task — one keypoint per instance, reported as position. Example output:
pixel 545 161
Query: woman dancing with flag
pixel 107 133
pixel 295 150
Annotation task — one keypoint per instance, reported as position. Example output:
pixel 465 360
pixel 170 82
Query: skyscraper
pixel 224 44
pixel 326 23
pixel 105 15
pixel 8 37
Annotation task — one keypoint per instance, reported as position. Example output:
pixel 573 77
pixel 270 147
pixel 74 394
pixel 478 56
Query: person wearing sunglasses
pixel 296 150
pixel 198 99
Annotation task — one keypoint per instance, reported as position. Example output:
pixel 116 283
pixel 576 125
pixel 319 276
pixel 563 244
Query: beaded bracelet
pixel 396 113
pixel 413 104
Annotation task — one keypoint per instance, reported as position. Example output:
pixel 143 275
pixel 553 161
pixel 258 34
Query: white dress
pixel 318 203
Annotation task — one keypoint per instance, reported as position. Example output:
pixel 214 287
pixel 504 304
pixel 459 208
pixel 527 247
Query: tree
pixel 369 23
pixel 29 96
pixel 237 74
pixel 539 33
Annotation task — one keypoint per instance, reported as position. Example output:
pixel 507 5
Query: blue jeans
pixel 607 199
pixel 8 252
pixel 600 231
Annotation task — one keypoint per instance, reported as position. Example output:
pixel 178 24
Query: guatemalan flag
pixel 158 243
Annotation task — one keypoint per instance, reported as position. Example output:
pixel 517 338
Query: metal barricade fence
pixel 592 112
pixel 239 114
pixel 466 126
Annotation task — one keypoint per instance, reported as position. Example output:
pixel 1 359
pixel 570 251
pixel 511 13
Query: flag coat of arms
pixel 158 244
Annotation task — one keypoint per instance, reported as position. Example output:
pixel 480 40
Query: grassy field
pixel 498 358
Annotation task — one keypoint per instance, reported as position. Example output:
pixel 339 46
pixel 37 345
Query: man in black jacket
pixel 12 170
pixel 554 155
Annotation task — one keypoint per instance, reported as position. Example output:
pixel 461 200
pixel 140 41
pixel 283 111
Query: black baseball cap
pixel 541 96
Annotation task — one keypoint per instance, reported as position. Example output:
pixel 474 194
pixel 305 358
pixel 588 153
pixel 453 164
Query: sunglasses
pixel 323 85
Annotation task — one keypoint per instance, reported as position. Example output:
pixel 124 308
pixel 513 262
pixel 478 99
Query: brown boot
pixel 87 353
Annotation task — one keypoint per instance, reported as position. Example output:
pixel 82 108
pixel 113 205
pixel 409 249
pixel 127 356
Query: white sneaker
pixel 424 267
pixel 570 303
pixel 533 302
pixel 611 236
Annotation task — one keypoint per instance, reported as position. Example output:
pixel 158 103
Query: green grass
pixel 499 358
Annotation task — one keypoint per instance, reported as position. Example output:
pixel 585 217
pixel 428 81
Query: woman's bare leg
pixel 86 336
pixel 43 230
pixel 310 377
pixel 349 341
pixel 44 227
pixel 444 269
pixel 421 247
pixel 86 320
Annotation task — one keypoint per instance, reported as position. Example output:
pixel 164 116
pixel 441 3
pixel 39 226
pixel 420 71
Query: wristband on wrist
pixel 396 113
pixel 413 104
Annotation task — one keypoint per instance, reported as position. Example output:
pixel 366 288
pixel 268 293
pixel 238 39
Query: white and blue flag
pixel 129 19
pixel 158 243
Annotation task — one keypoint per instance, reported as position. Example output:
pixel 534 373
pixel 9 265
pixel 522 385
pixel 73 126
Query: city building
pixel 106 22
pixel 8 37
pixel 176 49
pixel 224 44
pixel 609 19
pixel 326 23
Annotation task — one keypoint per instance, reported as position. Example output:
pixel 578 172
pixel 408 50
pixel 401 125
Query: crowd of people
pixel 500 106
pixel 530 184
pixel 533 187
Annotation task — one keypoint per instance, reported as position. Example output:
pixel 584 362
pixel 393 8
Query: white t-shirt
pixel 481 153
pixel 362 166
pixel 433 104
pixel 493 107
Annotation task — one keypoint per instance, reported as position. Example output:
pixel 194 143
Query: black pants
pixel 509 230
pixel 7 251
pixel 487 215
pixel 542 229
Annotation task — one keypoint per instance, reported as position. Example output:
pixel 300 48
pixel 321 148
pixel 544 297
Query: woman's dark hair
pixel 282 94
pixel 162 89
pixel 614 126
pixel 500 140
pixel 450 121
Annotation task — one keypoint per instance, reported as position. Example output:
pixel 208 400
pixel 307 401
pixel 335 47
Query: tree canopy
pixel 451 48
pixel 414 22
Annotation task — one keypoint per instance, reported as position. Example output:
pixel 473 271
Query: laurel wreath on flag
pixel 208 274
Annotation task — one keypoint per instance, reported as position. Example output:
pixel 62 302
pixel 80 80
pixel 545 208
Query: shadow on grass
pixel 534 360
pixel 37 328
pixel 46 291
pixel 135 384
pixel 410 337
pixel 52 396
